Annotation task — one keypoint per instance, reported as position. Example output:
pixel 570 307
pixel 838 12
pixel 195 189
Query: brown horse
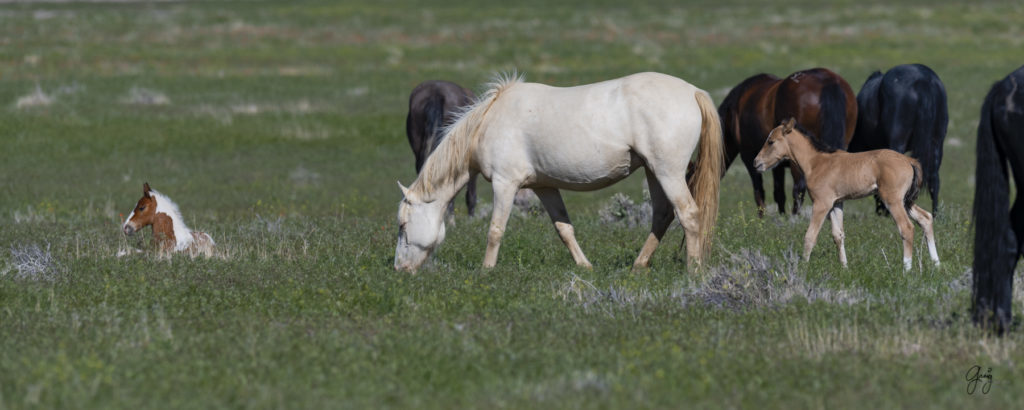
pixel 432 106
pixel 818 98
pixel 169 231
pixel 834 176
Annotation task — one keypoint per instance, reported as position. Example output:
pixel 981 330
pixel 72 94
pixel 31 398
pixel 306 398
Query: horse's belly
pixel 584 175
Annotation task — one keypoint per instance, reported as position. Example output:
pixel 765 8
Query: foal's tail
pixel 709 168
pixel 915 185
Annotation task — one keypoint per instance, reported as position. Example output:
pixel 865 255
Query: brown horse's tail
pixel 708 174
pixel 915 186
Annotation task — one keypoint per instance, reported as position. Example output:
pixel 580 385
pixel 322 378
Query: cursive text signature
pixel 975 376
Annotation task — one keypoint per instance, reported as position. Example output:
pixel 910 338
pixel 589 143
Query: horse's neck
pixel 445 190
pixel 163 230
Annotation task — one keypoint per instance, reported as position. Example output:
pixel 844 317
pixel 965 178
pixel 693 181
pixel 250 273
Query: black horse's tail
pixel 995 245
pixel 929 132
pixel 833 115
pixel 434 112
pixel 915 185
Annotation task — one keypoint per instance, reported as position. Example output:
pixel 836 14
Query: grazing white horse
pixel 528 135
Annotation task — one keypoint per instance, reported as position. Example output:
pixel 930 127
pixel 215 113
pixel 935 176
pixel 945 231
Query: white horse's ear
pixel 405 191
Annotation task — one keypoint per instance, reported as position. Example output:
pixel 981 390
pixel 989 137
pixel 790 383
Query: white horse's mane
pixel 182 234
pixel 451 157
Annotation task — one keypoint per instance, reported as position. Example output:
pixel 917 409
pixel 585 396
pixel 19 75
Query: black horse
pixel 904 110
pixel 432 105
pixel 998 230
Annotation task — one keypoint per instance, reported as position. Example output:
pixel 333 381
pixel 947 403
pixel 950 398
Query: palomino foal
pixel 169 231
pixel 835 175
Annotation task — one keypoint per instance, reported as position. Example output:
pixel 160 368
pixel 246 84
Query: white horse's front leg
pixel 552 201
pixel 504 195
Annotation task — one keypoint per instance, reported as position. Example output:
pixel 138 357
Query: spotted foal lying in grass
pixel 169 231
pixel 835 175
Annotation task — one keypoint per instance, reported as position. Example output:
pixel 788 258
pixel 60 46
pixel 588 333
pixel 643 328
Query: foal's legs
pixel 924 219
pixel 552 201
pixel 837 232
pixel 660 221
pixel 504 194
pixel 821 209
pixel 899 214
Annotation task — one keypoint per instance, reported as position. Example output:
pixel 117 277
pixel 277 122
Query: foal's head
pixel 420 229
pixel 776 148
pixel 143 214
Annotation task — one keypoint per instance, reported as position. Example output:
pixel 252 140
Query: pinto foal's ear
pixel 145 188
pixel 788 125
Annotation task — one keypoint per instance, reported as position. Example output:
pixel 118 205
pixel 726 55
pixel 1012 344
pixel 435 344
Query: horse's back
pixel 809 95
pixel 588 136
pixel 604 108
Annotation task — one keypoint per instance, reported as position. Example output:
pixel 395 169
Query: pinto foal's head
pixel 776 148
pixel 144 213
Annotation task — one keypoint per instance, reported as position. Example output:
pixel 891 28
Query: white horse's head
pixel 420 230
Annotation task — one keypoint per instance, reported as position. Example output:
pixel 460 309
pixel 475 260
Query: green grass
pixel 284 134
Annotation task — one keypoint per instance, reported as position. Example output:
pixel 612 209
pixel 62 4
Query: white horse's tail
pixel 708 174
pixel 451 158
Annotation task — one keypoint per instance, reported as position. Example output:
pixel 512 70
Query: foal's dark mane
pixel 815 142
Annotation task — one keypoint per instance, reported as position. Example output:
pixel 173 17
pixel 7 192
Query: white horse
pixel 528 135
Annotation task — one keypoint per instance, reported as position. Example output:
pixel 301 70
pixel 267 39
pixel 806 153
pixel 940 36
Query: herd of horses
pixel 526 135
pixel 837 146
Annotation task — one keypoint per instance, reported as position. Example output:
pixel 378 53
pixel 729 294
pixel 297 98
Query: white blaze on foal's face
pixel 420 230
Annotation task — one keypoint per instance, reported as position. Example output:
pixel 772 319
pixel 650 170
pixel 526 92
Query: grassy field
pixel 278 127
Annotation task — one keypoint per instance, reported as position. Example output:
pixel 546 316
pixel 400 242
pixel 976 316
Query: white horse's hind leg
pixel 837 233
pixel 504 194
pixel 660 221
pixel 686 210
pixel 552 201
pixel 924 219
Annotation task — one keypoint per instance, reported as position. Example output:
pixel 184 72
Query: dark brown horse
pixel 818 98
pixel 432 106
